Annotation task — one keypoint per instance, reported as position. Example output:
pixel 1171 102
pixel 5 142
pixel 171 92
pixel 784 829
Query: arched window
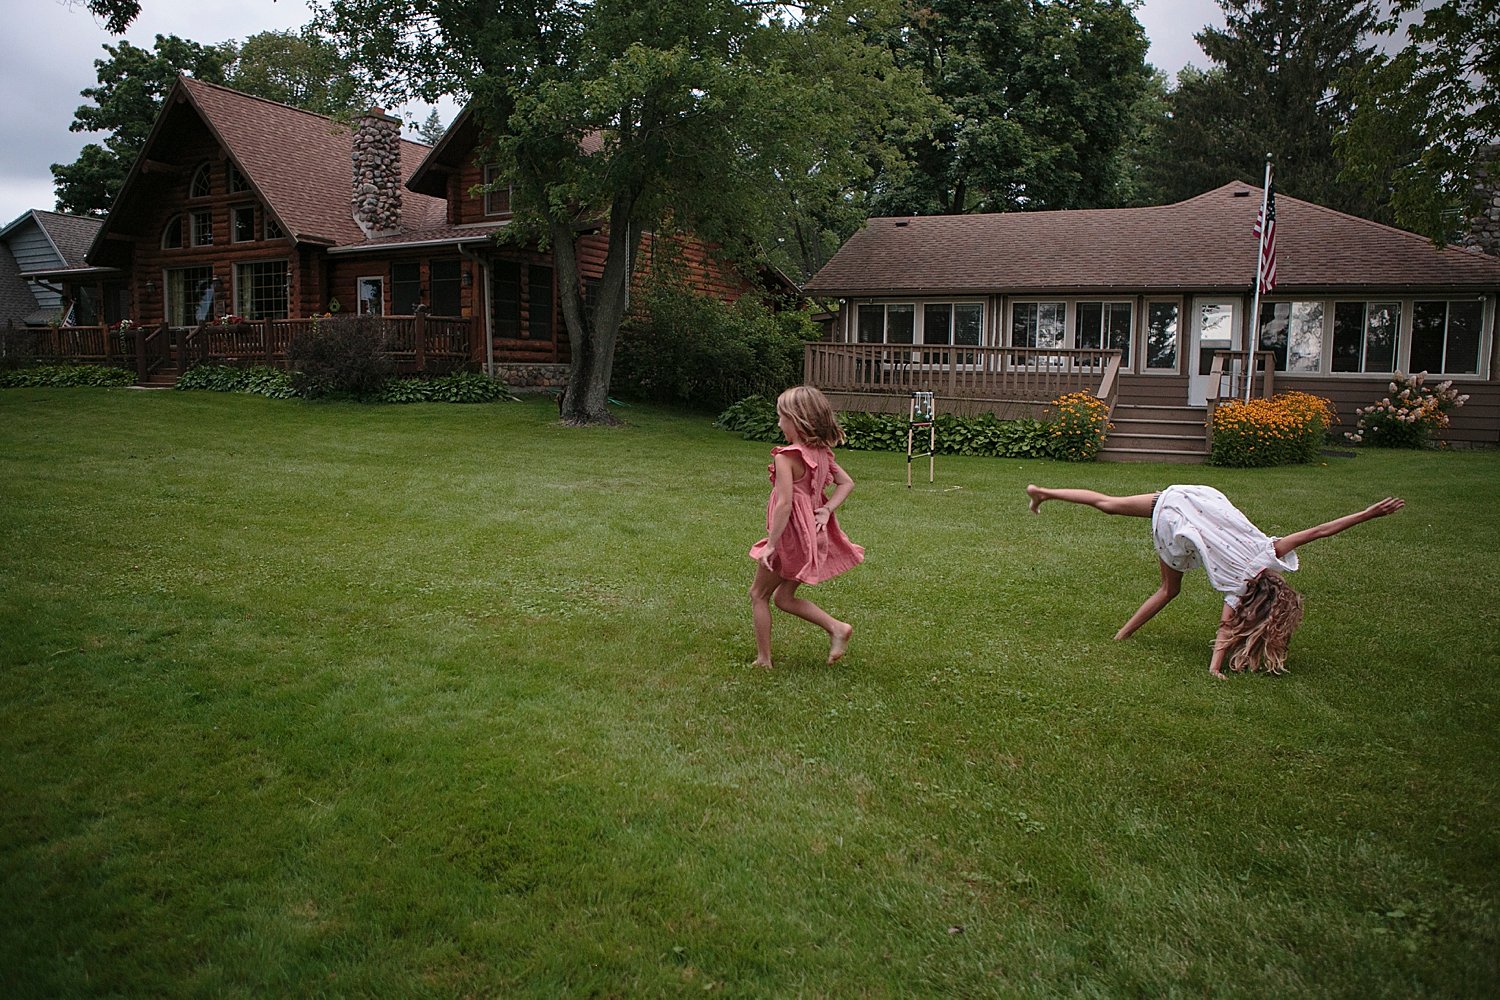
pixel 202 185
pixel 171 234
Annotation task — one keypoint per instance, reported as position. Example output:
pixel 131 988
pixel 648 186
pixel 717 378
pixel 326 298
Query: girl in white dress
pixel 1198 526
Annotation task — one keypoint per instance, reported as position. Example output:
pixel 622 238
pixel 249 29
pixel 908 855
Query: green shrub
pixel 1287 429
pixel 260 380
pixel 459 387
pixel 693 350
pixel 985 435
pixel 17 346
pixel 64 375
pixel 342 357
pixel 1410 417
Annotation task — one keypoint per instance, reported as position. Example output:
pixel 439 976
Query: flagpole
pixel 1260 246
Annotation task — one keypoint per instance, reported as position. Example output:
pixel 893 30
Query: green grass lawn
pixel 436 701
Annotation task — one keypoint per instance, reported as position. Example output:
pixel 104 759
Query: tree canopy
pixel 1425 112
pixel 116 14
pixel 696 114
pixel 1039 100
pixel 132 85
pixel 300 68
pixel 1278 85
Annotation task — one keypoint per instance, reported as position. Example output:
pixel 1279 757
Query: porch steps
pixel 163 379
pixel 1153 433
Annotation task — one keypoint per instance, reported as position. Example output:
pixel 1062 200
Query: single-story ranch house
pixel 1149 308
pixel 243 220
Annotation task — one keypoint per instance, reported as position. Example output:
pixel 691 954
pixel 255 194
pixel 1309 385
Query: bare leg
pixel 761 589
pixel 838 632
pixel 1138 505
pixel 1171 583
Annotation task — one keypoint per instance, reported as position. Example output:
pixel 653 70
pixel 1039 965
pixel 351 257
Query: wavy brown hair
pixel 808 409
pixel 1260 627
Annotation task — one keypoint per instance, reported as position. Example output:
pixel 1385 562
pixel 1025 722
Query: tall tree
pixel 1424 113
pixel 1039 98
pixel 300 68
pixel 689 113
pixel 116 14
pixel 1275 86
pixel 132 84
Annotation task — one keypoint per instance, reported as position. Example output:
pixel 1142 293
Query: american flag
pixel 1265 230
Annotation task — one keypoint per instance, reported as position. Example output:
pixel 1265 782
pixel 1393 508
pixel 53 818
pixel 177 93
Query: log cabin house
pixel 243 220
pixel 1149 308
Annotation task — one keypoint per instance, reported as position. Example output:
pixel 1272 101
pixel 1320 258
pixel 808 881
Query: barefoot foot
pixel 763 664
pixel 1035 493
pixel 839 644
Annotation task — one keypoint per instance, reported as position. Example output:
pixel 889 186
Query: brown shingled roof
pixel 300 163
pixel 1204 243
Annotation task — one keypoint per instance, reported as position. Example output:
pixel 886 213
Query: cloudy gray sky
pixel 48 48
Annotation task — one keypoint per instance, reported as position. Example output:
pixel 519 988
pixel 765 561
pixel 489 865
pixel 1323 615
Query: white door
pixel 1215 327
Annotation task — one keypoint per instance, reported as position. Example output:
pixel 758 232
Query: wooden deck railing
pixel 416 343
pixel 998 373
pixel 1227 376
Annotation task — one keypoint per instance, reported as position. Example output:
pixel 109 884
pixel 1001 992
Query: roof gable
pixel 298 163
pixel 1203 243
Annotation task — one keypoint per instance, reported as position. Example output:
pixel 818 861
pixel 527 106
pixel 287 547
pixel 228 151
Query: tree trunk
pixel 593 334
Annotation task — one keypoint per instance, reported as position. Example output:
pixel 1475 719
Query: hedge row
pixel 1068 439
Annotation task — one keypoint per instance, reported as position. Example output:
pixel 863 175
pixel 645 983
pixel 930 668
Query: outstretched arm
pixel 1221 644
pixel 1171 583
pixel 1287 543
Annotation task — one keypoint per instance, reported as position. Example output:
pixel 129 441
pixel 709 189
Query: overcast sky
pixel 48 48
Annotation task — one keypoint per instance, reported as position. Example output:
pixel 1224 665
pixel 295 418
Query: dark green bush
pixel 261 380
pixel 17 346
pixel 754 419
pixel 693 350
pixel 342 357
pixel 64 375
pixel 459 387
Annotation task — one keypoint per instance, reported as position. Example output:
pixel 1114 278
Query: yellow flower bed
pixel 1287 429
pixel 1080 422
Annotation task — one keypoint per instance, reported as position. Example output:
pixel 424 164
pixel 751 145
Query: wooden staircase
pixel 1157 433
pixel 162 378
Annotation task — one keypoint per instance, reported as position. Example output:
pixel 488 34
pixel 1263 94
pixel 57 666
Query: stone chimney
pixel 377 174
pixel 1484 226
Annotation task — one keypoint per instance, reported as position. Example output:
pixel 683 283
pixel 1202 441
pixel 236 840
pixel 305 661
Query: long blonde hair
pixel 811 413
pixel 1260 627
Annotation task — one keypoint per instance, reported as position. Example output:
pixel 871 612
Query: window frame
pixel 362 282
pixel 235 213
pixel 201 184
pixel 1404 311
pixel 245 287
pixel 173 224
pixel 919 309
pixel 201 228
pixel 491 172
pixel 1146 367
pixel 180 307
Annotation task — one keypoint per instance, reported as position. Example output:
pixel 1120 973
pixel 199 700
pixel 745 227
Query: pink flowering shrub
pixel 1409 416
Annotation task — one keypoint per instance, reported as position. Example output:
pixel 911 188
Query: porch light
pixel 468 278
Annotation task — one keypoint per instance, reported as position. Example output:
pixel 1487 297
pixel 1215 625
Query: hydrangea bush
pixel 1410 417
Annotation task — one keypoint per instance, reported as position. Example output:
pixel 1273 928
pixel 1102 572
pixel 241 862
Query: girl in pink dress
pixel 1195 526
pixel 803 543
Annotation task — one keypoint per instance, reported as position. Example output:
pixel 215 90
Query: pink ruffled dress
pixel 804 553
